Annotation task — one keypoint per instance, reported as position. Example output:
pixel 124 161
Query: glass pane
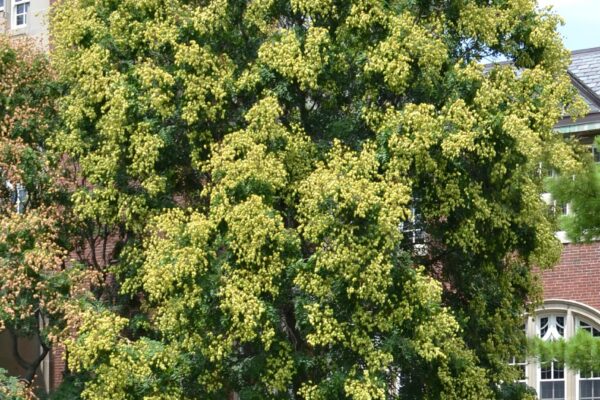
pixel 585 388
pixel 20 8
pixel 20 20
pixel 543 326
pixel 559 371
pixel 596 389
pixel 560 321
pixel 522 375
pixel 559 390
pixel 546 372
pixel 546 390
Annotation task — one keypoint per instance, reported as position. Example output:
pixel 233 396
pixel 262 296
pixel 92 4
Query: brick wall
pixel 57 366
pixel 577 276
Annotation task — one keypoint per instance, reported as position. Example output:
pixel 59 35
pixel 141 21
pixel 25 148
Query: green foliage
pixel 255 161
pixel 517 391
pixel 581 352
pixel 582 192
pixel 11 388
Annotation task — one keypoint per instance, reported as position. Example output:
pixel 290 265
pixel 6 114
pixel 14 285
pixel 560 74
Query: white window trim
pixel 552 333
pixel 14 13
pixel 518 362
pixel 579 319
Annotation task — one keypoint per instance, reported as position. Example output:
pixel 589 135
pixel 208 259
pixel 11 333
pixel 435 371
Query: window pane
pixel 559 390
pixel 546 372
pixel 20 20
pixel 20 8
pixel 596 389
pixel 544 326
pixel 522 374
pixel 560 321
pixel 559 372
pixel 552 390
pixel 585 388
pixel 546 390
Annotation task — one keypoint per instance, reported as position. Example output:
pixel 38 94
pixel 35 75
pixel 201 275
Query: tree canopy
pixel 245 179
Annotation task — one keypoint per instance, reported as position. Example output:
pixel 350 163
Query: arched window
pixel 555 320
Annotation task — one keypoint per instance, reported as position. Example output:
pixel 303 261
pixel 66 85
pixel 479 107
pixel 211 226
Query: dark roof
pixel 585 75
pixel 585 65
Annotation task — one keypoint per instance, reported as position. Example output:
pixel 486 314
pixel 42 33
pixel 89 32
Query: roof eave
pixel 590 122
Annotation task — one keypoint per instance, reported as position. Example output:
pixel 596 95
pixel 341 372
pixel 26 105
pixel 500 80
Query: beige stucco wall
pixel 37 21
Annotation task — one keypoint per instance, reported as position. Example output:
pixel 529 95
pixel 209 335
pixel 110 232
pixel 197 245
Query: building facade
pixel 572 288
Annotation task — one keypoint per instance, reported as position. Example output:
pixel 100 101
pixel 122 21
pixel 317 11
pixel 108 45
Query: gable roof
pixel 585 65
pixel 585 76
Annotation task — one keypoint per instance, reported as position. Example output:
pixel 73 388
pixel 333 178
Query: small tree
pixel 32 270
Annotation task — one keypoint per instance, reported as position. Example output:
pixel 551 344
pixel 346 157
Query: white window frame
pixel 26 4
pixel 591 327
pixel 520 363
pixel 552 379
pixel 555 330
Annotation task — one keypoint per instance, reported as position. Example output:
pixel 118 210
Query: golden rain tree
pixel 263 167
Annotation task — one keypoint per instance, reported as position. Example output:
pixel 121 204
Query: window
pixel 1 5
pixel 521 365
pixel 552 381
pixel 20 11
pixel 552 327
pixel 552 375
pixel 589 383
pixel 18 196
pixel 595 153
pixel 414 234
pixel 559 319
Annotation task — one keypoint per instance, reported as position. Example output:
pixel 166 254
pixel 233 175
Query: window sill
pixel 562 236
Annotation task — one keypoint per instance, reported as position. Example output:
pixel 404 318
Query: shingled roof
pixel 585 75
pixel 585 65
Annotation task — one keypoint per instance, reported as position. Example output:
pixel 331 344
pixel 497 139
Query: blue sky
pixel 582 17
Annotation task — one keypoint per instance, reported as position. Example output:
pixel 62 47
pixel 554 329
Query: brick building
pixel 572 288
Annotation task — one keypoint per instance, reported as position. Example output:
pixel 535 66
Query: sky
pixel 582 22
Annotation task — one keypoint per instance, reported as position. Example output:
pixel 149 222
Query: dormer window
pixel 20 13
